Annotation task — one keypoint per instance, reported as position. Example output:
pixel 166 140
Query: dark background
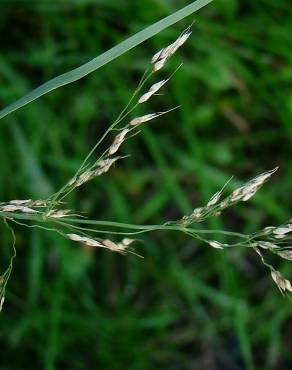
pixel 184 306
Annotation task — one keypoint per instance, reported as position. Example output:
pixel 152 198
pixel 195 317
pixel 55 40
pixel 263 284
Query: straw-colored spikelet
pixel 286 254
pixel 160 58
pixel 266 245
pixel 118 141
pixel 282 283
pixel 153 89
pixel 245 192
pixel 148 117
pixel 213 208
pixel 15 208
pixel 21 202
pixel 85 240
pixel 27 202
pixel 104 165
pixel 58 213
pixel 106 243
pixel 283 230
pixel 101 167
pixel 216 245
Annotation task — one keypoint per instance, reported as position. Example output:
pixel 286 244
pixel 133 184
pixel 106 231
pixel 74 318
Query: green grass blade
pixel 104 58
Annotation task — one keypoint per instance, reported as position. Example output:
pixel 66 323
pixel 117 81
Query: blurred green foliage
pixel 184 306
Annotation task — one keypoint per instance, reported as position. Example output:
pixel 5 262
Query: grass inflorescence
pixel 51 215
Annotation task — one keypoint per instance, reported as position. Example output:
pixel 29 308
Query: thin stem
pixel 140 228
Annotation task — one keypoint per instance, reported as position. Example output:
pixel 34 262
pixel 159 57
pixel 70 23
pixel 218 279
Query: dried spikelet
pixel 119 139
pixel 14 208
pixel 153 89
pixel 216 245
pixel 147 117
pixel 101 167
pixel 21 202
pixel 194 216
pixel 85 240
pixel 246 191
pixel 266 245
pixel 114 246
pixel 84 177
pixel 159 65
pixel 160 58
pixel 58 213
pixel 106 243
pixel 104 165
pixel 214 199
pixel 27 202
pixel 282 283
pixel 287 254
pixel 127 241
pixel 283 230
pixel 268 229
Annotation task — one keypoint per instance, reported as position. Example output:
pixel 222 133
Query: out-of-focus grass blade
pixel 37 182
pixel 104 58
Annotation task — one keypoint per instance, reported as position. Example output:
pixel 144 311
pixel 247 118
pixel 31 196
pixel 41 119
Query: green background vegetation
pixel 184 306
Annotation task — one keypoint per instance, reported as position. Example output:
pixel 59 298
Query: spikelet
pixel 159 59
pixel 58 213
pixel 286 254
pixel 85 240
pixel 106 243
pixel 118 141
pixel 246 191
pixel 104 165
pixel 282 283
pixel 148 117
pixel 216 245
pixel 283 230
pixel 15 208
pixel 153 89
